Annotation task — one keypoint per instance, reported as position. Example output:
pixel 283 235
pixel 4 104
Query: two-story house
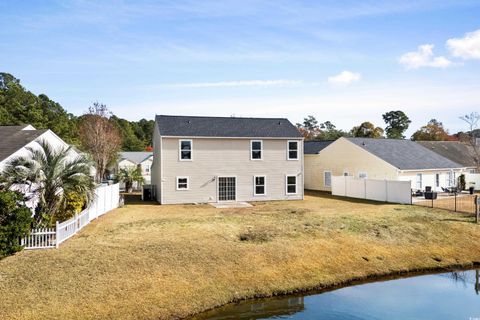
pixel 216 159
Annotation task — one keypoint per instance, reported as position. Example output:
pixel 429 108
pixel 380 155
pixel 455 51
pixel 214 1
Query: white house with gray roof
pixel 134 159
pixel 226 159
pixel 382 159
pixel 16 139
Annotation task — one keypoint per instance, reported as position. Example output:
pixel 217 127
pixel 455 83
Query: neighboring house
pixel 461 153
pixel 217 159
pixel 383 159
pixel 134 159
pixel 456 151
pixel 16 139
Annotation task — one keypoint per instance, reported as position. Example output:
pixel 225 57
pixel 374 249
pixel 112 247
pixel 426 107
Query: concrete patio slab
pixel 226 205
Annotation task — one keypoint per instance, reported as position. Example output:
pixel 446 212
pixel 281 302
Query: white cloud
pixel 241 83
pixel 467 47
pixel 423 57
pixel 344 78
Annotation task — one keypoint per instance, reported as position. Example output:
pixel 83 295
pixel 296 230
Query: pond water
pixel 453 295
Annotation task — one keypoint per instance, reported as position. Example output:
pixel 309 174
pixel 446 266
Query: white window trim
pixel 180 149
pixel 419 175
pixel 188 183
pixel 286 184
pixel 251 150
pixel 325 178
pixel 264 186
pixel 362 173
pixel 288 150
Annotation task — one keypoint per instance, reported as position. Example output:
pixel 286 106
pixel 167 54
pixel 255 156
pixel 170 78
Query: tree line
pixel 20 106
pixel 396 124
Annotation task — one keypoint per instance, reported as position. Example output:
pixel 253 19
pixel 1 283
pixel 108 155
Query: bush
pixel 15 222
pixel 74 204
pixel 461 182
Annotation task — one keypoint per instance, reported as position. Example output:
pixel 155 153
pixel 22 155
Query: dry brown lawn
pixel 146 261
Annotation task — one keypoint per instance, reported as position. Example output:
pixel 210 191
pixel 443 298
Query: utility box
pixel 147 194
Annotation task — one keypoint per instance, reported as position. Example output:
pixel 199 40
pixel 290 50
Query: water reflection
pixel 452 295
pixel 260 309
pixel 467 278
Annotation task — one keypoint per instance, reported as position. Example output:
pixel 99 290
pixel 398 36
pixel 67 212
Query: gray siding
pixel 214 157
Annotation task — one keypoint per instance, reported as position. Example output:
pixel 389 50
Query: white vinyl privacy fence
pixel 106 198
pixel 378 190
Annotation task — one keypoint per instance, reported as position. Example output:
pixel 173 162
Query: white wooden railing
pixel 106 198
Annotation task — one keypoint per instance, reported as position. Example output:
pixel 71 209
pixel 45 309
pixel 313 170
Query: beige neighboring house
pixel 381 159
pixel 226 159
pixel 135 159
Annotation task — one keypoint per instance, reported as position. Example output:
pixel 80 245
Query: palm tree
pixel 130 175
pixel 49 176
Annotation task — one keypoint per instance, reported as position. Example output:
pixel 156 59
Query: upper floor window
pixel 185 150
pixel 292 150
pixel 256 150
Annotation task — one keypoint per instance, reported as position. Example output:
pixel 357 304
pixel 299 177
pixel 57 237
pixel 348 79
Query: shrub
pixel 258 236
pixel 74 204
pixel 461 182
pixel 15 222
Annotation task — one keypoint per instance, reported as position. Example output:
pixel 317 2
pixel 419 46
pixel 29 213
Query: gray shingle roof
pixel 454 150
pixel 187 126
pixel 314 147
pixel 135 156
pixel 13 138
pixel 405 154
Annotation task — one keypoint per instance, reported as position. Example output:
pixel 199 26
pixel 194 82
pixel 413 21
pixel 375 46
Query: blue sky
pixel 343 61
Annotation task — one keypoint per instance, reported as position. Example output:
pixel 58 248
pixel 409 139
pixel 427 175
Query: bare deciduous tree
pixel 470 139
pixel 100 137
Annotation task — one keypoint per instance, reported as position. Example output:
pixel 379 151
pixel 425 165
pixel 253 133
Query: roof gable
pixel 13 138
pixel 314 147
pixel 228 127
pixel 136 157
pixel 405 154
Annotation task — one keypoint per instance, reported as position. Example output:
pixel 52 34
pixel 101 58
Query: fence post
pixel 476 209
pixel 76 223
pixel 57 235
pixel 455 201
pixel 365 187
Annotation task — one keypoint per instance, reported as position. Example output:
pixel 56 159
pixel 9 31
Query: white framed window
pixel 327 179
pixel 437 180
pixel 449 179
pixel 256 150
pixel 292 150
pixel 419 181
pixel 183 183
pixel 185 149
pixel 291 184
pixel 259 185
pixel 362 175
